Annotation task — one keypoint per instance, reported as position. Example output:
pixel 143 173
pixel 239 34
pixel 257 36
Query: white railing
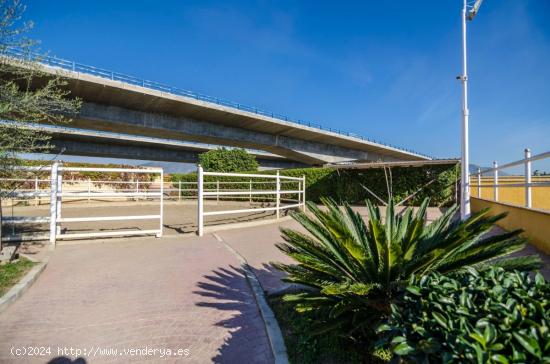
pixel 106 190
pixel 56 195
pixel 277 192
pixel 527 184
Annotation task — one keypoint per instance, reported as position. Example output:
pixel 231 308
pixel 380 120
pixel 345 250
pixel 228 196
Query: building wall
pixel 535 223
pixel 540 196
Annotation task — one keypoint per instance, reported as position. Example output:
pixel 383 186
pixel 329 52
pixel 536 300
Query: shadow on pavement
pixel 65 360
pixel 227 289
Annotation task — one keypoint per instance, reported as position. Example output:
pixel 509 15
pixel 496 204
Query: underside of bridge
pixel 134 111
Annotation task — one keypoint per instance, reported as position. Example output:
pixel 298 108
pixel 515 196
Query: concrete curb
pixel 22 286
pixel 272 328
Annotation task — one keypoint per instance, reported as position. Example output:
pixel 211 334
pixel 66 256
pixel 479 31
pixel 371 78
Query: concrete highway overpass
pixel 125 105
pixel 92 143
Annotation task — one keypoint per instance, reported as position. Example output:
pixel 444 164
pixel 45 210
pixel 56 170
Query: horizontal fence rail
pixel 277 180
pixel 115 76
pixel 500 182
pixel 57 190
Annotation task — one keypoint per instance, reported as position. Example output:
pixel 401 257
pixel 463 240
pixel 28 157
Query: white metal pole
pixel 36 190
pixel 53 202
pixel 59 197
pixel 179 190
pixel 495 166
pixel 528 200
pixel 89 189
pixel 304 192
pixel 479 183
pixel 200 216
pixel 161 222
pixel 278 186
pixel 465 158
pixel 137 188
pixel 250 189
pixel 217 191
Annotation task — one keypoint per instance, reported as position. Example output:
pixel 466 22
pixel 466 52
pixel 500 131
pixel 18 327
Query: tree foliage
pixel 353 267
pixel 27 94
pixel 228 160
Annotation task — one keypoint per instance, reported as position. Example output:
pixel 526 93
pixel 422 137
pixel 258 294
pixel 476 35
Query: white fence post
pixel 53 202
pixel 59 197
pixel 495 166
pixel 36 190
pixel 200 221
pixel 304 192
pixel 478 182
pixel 137 188
pixel 250 195
pixel 161 223
pixel 278 186
pixel 217 191
pixel 89 189
pixel 528 200
pixel 179 190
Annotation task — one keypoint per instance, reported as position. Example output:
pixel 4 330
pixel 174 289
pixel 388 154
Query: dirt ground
pixel 179 216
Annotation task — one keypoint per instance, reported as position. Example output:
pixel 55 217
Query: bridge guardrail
pixel 116 76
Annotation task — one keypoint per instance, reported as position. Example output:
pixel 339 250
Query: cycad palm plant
pixel 352 267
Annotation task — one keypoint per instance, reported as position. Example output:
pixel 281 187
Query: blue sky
pixel 382 69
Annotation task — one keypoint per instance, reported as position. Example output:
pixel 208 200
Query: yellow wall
pixel 540 196
pixel 535 223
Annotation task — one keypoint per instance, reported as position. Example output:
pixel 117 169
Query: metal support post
pixel 161 222
pixel 200 201
pixel 304 193
pixel 53 202
pixel 528 197
pixel 36 190
pixel 59 197
pixel 278 186
pixel 495 166
pixel 478 182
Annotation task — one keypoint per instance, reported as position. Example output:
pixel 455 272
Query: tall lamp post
pixel 468 13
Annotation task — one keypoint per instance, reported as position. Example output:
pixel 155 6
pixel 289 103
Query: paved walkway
pixel 177 293
pixel 147 293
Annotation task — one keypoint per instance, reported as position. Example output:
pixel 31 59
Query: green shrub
pixel 353 268
pixel 491 316
pixel 347 185
pixel 228 160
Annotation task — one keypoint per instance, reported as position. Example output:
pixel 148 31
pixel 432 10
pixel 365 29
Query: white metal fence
pixel 56 195
pixel 247 193
pixel 88 190
pixel 527 184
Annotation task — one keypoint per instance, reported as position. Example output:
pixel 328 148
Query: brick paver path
pixel 177 293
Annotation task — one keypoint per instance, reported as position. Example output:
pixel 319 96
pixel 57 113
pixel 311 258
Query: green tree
pixel 353 267
pixel 228 160
pixel 28 96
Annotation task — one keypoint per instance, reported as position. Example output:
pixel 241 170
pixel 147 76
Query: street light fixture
pixel 465 154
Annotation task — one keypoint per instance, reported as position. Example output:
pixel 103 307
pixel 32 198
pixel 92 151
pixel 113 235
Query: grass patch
pixel 304 348
pixel 11 273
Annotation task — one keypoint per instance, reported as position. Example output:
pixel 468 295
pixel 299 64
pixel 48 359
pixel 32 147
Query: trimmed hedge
pixel 346 185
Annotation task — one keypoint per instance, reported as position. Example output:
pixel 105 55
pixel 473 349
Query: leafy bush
pixel 491 316
pixel 347 185
pixel 353 268
pixel 228 160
